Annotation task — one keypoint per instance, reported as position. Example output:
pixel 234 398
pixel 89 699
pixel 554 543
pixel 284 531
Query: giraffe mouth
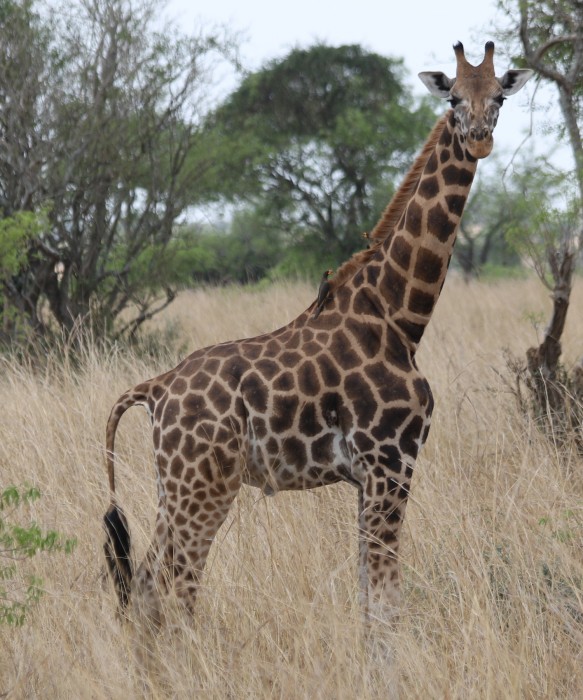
pixel 480 148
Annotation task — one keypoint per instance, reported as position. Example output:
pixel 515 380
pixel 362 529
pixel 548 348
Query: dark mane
pixel 392 213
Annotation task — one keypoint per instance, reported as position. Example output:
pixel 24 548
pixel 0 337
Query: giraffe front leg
pixel 382 507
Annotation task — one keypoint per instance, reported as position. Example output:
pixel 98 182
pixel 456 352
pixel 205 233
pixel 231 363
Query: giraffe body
pixel 333 396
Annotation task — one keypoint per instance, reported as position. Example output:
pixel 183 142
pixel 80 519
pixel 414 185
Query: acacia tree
pixel 309 138
pixel 550 34
pixel 98 113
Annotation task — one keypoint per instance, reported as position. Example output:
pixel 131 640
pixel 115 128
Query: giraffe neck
pixel 392 213
pixel 416 257
pixel 390 217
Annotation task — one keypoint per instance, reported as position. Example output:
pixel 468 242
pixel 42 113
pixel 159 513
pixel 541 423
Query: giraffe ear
pixel 515 79
pixel 437 83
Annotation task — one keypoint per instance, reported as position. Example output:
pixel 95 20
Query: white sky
pixel 422 32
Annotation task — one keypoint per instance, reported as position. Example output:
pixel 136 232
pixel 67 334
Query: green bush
pixel 16 232
pixel 19 592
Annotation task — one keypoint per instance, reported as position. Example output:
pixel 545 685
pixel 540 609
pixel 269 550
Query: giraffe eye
pixel 499 100
pixel 454 101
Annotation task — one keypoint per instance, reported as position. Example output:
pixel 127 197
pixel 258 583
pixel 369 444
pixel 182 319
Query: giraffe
pixel 332 396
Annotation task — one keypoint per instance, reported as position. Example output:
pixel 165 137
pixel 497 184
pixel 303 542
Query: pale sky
pixel 422 32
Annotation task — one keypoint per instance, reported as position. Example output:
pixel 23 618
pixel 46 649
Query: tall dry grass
pixel 493 540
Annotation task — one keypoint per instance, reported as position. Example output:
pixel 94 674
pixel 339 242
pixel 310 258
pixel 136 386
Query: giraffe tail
pixel 117 534
pixel 117 553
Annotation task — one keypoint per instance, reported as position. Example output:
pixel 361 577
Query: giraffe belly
pixel 286 462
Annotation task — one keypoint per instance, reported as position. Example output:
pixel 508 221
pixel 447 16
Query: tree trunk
pixel 548 382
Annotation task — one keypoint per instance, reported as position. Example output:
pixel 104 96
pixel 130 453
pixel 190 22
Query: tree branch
pixel 146 314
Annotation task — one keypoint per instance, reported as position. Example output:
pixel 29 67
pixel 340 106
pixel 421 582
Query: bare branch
pixel 145 315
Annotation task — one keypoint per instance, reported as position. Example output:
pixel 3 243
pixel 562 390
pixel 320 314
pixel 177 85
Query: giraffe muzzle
pixel 480 141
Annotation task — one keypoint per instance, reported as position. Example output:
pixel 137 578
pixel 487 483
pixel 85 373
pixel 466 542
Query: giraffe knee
pixel 185 583
pixel 384 581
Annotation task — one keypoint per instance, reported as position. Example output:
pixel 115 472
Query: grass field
pixel 492 552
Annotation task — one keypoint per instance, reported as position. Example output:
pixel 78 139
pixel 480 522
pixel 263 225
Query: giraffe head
pixel 476 95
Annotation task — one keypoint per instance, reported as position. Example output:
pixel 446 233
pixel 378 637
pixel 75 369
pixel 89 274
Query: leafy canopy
pixel 100 112
pixel 312 136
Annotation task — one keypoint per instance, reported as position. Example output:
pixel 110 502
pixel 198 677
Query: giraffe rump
pixel 117 553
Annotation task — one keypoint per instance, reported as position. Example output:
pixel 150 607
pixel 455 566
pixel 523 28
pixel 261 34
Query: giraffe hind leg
pixel 189 517
pixel 193 535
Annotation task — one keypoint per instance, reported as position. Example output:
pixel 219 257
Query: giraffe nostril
pixel 479 134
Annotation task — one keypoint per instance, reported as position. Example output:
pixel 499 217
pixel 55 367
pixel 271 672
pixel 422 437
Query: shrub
pixel 18 592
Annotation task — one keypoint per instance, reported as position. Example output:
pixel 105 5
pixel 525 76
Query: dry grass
pixel 493 538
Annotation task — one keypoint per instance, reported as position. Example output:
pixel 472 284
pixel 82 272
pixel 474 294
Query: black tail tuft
pixel 117 553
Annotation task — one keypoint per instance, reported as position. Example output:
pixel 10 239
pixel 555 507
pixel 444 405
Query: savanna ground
pixel 493 539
